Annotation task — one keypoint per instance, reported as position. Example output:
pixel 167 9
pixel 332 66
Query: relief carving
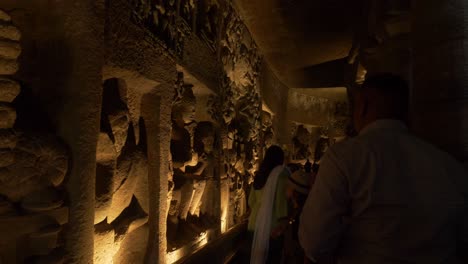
pixel 121 175
pixel 33 168
pixel 161 18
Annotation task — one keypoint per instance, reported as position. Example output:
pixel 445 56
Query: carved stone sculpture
pixel 32 166
pixel 183 156
pixel 37 162
pixel 121 174
pixel 301 142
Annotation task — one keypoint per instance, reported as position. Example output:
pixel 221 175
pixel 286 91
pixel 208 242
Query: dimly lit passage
pixel 136 131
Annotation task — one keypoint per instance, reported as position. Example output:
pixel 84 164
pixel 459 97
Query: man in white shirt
pixel 386 196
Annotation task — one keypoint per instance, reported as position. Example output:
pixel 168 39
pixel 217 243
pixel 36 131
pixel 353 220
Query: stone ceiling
pixel 308 42
pixel 297 35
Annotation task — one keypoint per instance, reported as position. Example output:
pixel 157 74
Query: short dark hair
pixel 394 88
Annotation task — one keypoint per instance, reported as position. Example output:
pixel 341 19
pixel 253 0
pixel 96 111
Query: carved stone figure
pixel 36 162
pixel 121 174
pixel 32 167
pixel 208 20
pixel 267 129
pixel 301 142
pixel 204 200
pixel 184 159
pixel 160 17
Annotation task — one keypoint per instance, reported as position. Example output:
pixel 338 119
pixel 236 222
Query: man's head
pixel 381 96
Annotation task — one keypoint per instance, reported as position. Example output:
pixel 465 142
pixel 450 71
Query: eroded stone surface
pixel 7 157
pixel 40 161
pixel 130 169
pixel 4 16
pixel 104 246
pixel 9 49
pixel 133 247
pixel 104 190
pixel 9 90
pixel 8 66
pixel 7 116
pixel 8 138
pixel 9 32
pixel 105 151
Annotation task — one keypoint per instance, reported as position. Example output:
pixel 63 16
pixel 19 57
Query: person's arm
pixel 321 222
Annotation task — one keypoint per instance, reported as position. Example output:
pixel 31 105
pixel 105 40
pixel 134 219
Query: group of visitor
pixel 383 196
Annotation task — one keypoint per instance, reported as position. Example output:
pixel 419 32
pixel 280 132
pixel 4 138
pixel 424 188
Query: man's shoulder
pixel 347 146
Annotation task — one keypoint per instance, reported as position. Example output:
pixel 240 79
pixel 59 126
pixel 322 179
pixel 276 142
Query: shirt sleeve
pixel 321 222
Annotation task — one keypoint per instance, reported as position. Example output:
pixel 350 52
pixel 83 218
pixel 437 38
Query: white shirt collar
pixel 387 124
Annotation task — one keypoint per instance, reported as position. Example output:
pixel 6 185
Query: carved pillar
pixel 156 110
pixel 78 120
pixel 440 77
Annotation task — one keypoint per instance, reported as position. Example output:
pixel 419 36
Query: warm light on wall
pixel 188 249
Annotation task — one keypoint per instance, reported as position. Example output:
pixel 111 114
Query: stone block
pixel 9 32
pixel 4 16
pixel 9 90
pixel 9 49
pixel 8 67
pixel 7 116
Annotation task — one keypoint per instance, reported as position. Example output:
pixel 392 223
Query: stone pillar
pixel 440 74
pixel 156 111
pixel 78 122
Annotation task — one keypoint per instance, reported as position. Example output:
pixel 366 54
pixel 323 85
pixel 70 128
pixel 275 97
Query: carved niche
pixel 33 167
pixel 121 208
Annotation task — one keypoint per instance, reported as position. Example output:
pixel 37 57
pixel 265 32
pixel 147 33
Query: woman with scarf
pixel 269 210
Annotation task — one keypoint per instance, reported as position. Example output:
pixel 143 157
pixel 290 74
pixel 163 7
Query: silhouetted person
pixel 269 209
pixel 386 196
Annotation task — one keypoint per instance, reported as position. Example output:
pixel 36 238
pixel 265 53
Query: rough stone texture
pixel 130 169
pixel 7 116
pixel 62 61
pixel 9 89
pixel 8 66
pixel 9 50
pixel 78 119
pixel 131 47
pixel 295 35
pixel 40 161
pixel 156 110
pixel 197 53
pixel 274 94
pixel 9 32
pixel 8 138
pixel 7 158
pixel 105 247
pixel 136 85
pixel 133 247
pixel 104 190
pixel 105 151
pixel 4 16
